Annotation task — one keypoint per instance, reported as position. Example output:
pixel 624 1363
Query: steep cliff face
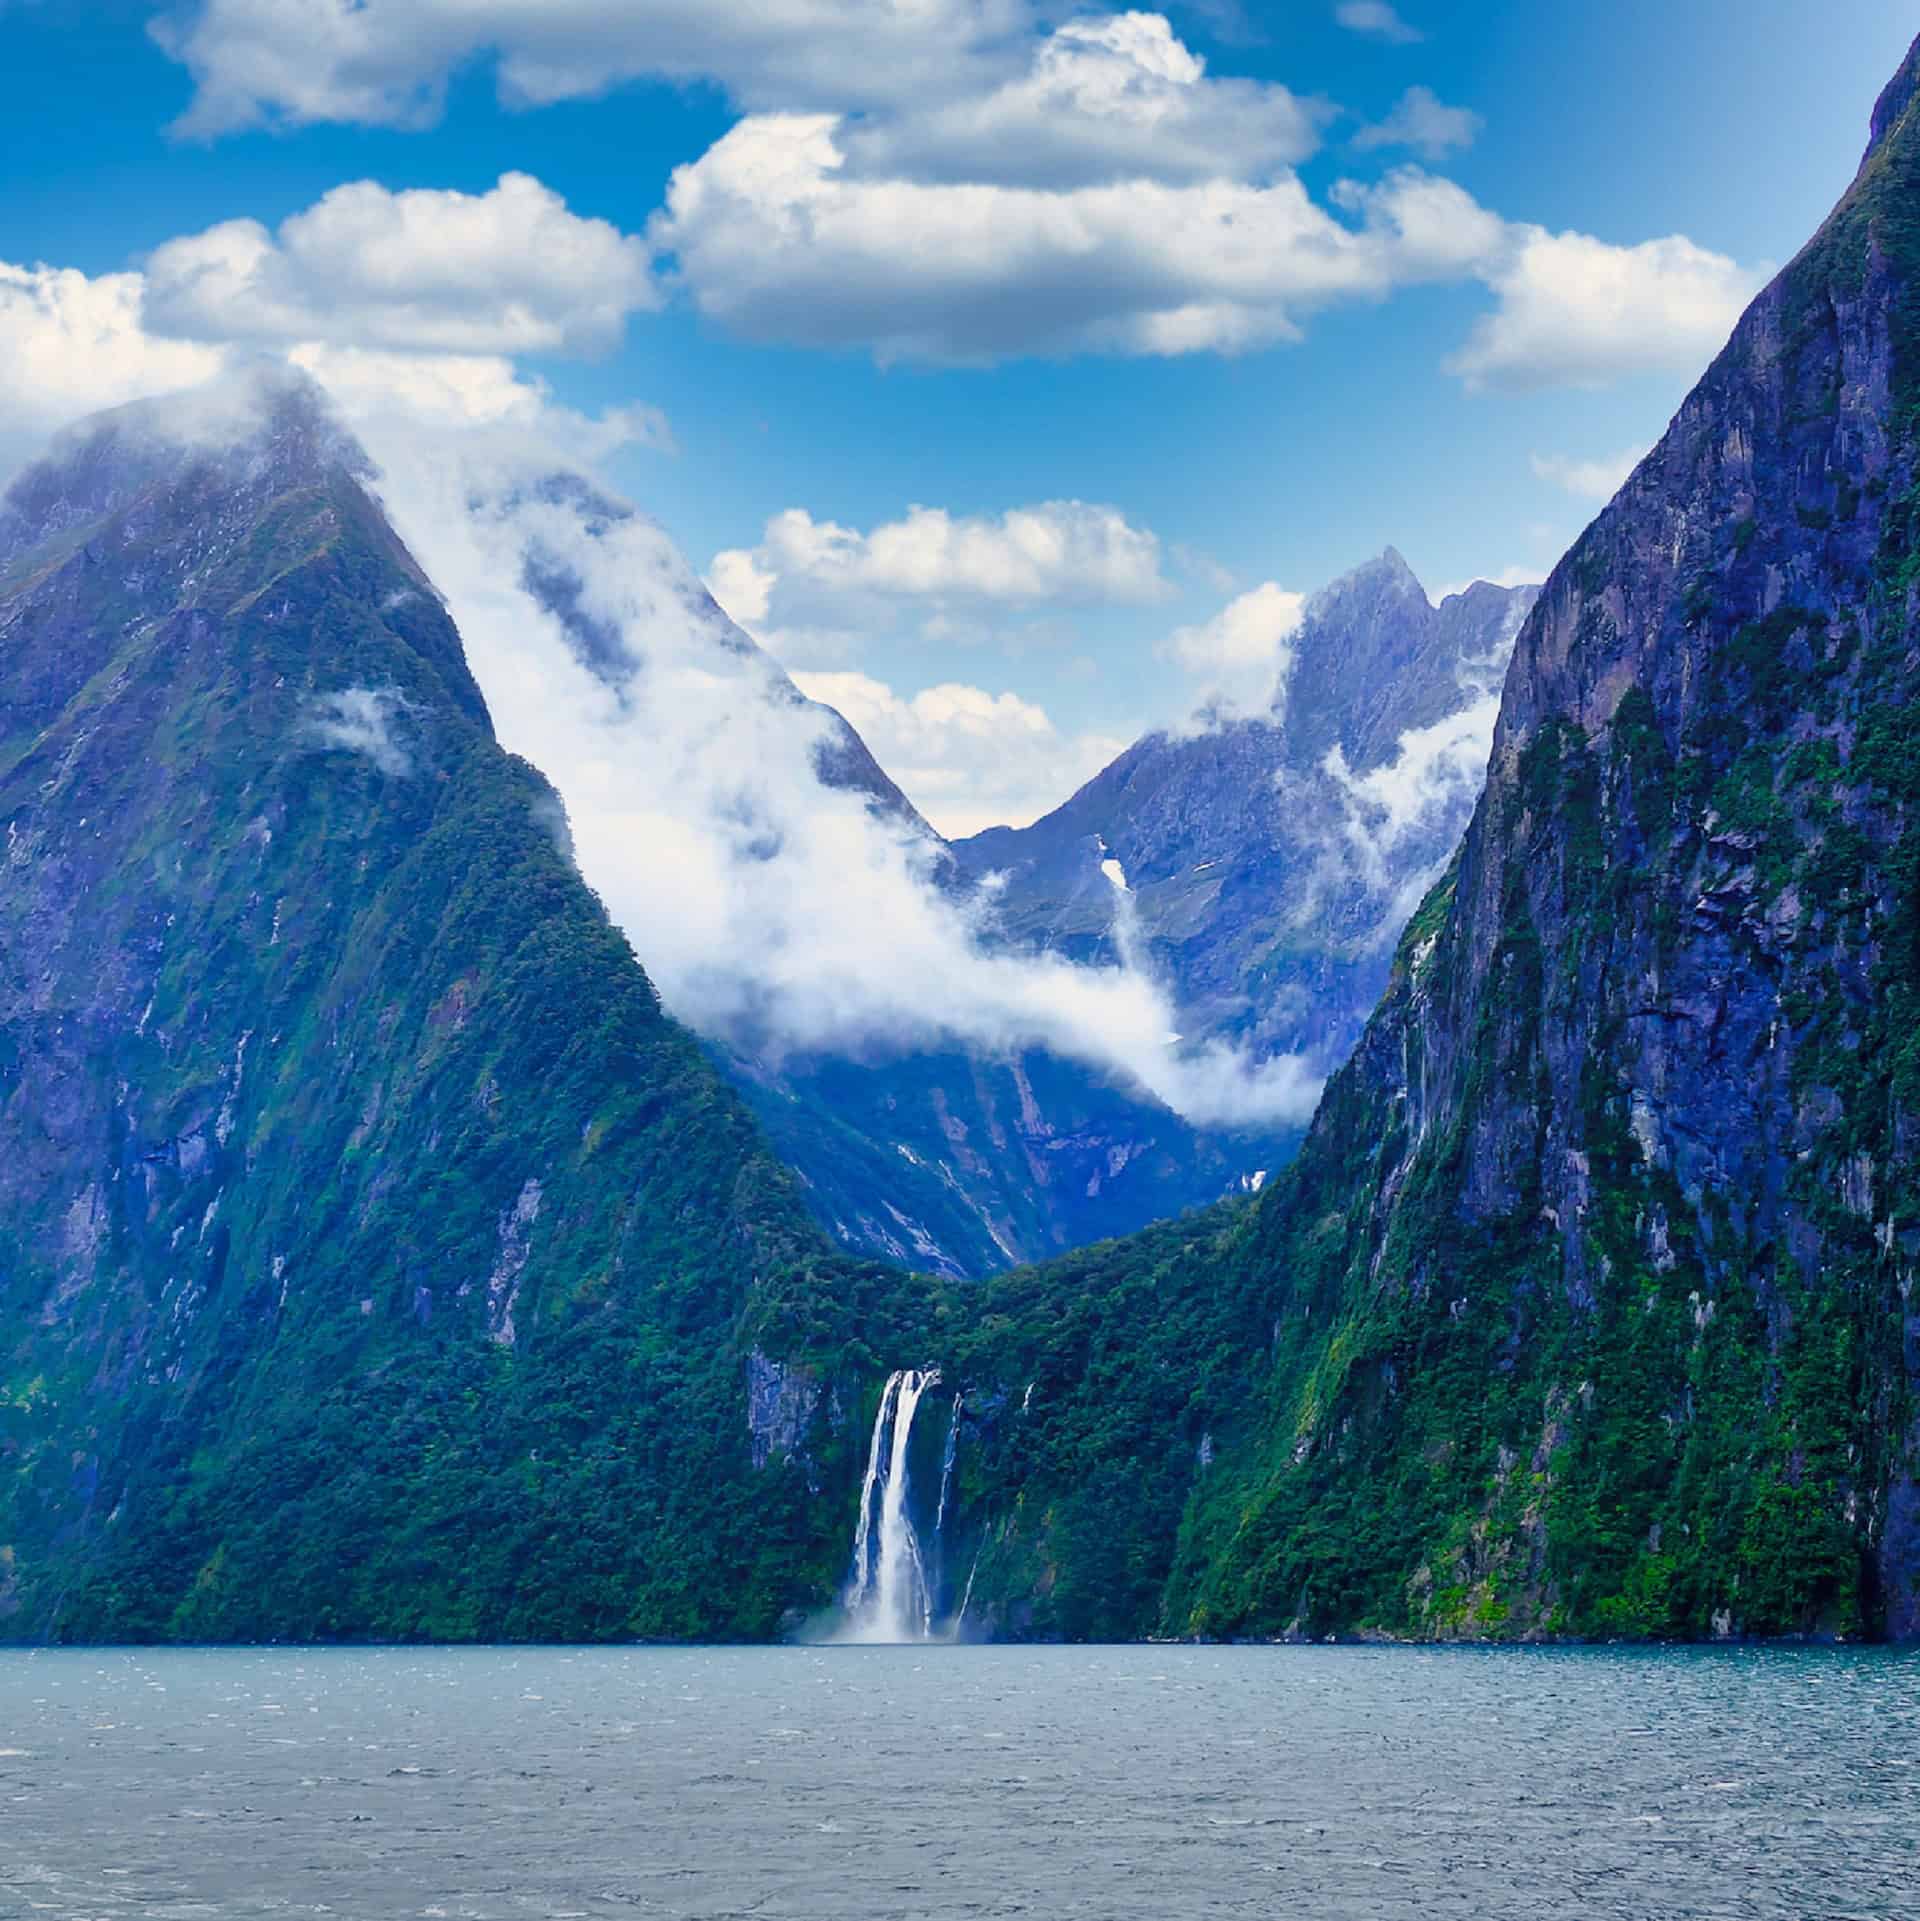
pixel 1587 1307
pixel 376 1257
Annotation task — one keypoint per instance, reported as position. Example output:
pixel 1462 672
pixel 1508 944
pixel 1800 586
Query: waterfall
pixel 888 1597
pixel 966 1600
pixel 946 1469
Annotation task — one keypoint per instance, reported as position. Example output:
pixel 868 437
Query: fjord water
pixel 945 1782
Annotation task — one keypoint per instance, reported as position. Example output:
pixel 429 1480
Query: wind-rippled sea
pixel 1319 1783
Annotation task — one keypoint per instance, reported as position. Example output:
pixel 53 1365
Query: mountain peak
pixel 266 428
pixel 1895 99
pixel 1387 572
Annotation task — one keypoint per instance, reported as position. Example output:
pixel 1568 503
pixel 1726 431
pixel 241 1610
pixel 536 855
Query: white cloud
pixel 777 238
pixel 387 62
pixel 1241 656
pixel 1424 122
pixel 1578 311
pixel 508 271
pixel 484 390
pixel 967 758
pixel 70 344
pixel 1058 553
pixel 360 720
pixel 819 595
pixel 1114 98
pixel 1377 19
pixel 931 180
pixel 1588 479
pixel 691 778
pixel 1417 799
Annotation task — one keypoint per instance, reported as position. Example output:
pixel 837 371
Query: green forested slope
pixel 378 1259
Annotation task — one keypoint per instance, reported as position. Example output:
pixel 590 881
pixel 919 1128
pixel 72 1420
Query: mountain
pixel 1271 863
pixel 1587 1307
pixel 376 1257
pixel 963 1163
pixel 1264 870
pixel 921 1150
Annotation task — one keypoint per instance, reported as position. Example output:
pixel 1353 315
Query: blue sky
pixel 1299 434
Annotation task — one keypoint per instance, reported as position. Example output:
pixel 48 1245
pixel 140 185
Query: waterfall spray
pixel 888 1597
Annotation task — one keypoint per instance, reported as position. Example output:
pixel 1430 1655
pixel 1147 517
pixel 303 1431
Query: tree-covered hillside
pixel 376 1257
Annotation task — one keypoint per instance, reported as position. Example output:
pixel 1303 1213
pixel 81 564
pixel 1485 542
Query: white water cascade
pixel 888 1596
pixel 946 1470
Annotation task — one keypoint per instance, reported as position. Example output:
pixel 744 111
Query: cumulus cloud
pixel 1378 20
pixel 1241 656
pixel 967 758
pixel 387 62
pixel 508 271
pixel 1588 479
pixel 933 180
pixel 1114 199
pixel 776 237
pixel 930 180
pixel 1114 98
pixel 1575 310
pixel 1424 122
pixel 1057 553
pixel 822 597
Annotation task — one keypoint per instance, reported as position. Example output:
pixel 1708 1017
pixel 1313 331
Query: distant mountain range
pixel 1269 864
pixel 1260 869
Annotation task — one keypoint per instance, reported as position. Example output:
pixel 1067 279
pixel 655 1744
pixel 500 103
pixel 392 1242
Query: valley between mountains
pixel 1517 1238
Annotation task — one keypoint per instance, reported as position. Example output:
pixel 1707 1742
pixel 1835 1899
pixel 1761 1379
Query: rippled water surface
pixel 904 1782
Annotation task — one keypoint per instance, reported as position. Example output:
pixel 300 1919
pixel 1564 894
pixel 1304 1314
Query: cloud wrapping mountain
pixel 770 906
